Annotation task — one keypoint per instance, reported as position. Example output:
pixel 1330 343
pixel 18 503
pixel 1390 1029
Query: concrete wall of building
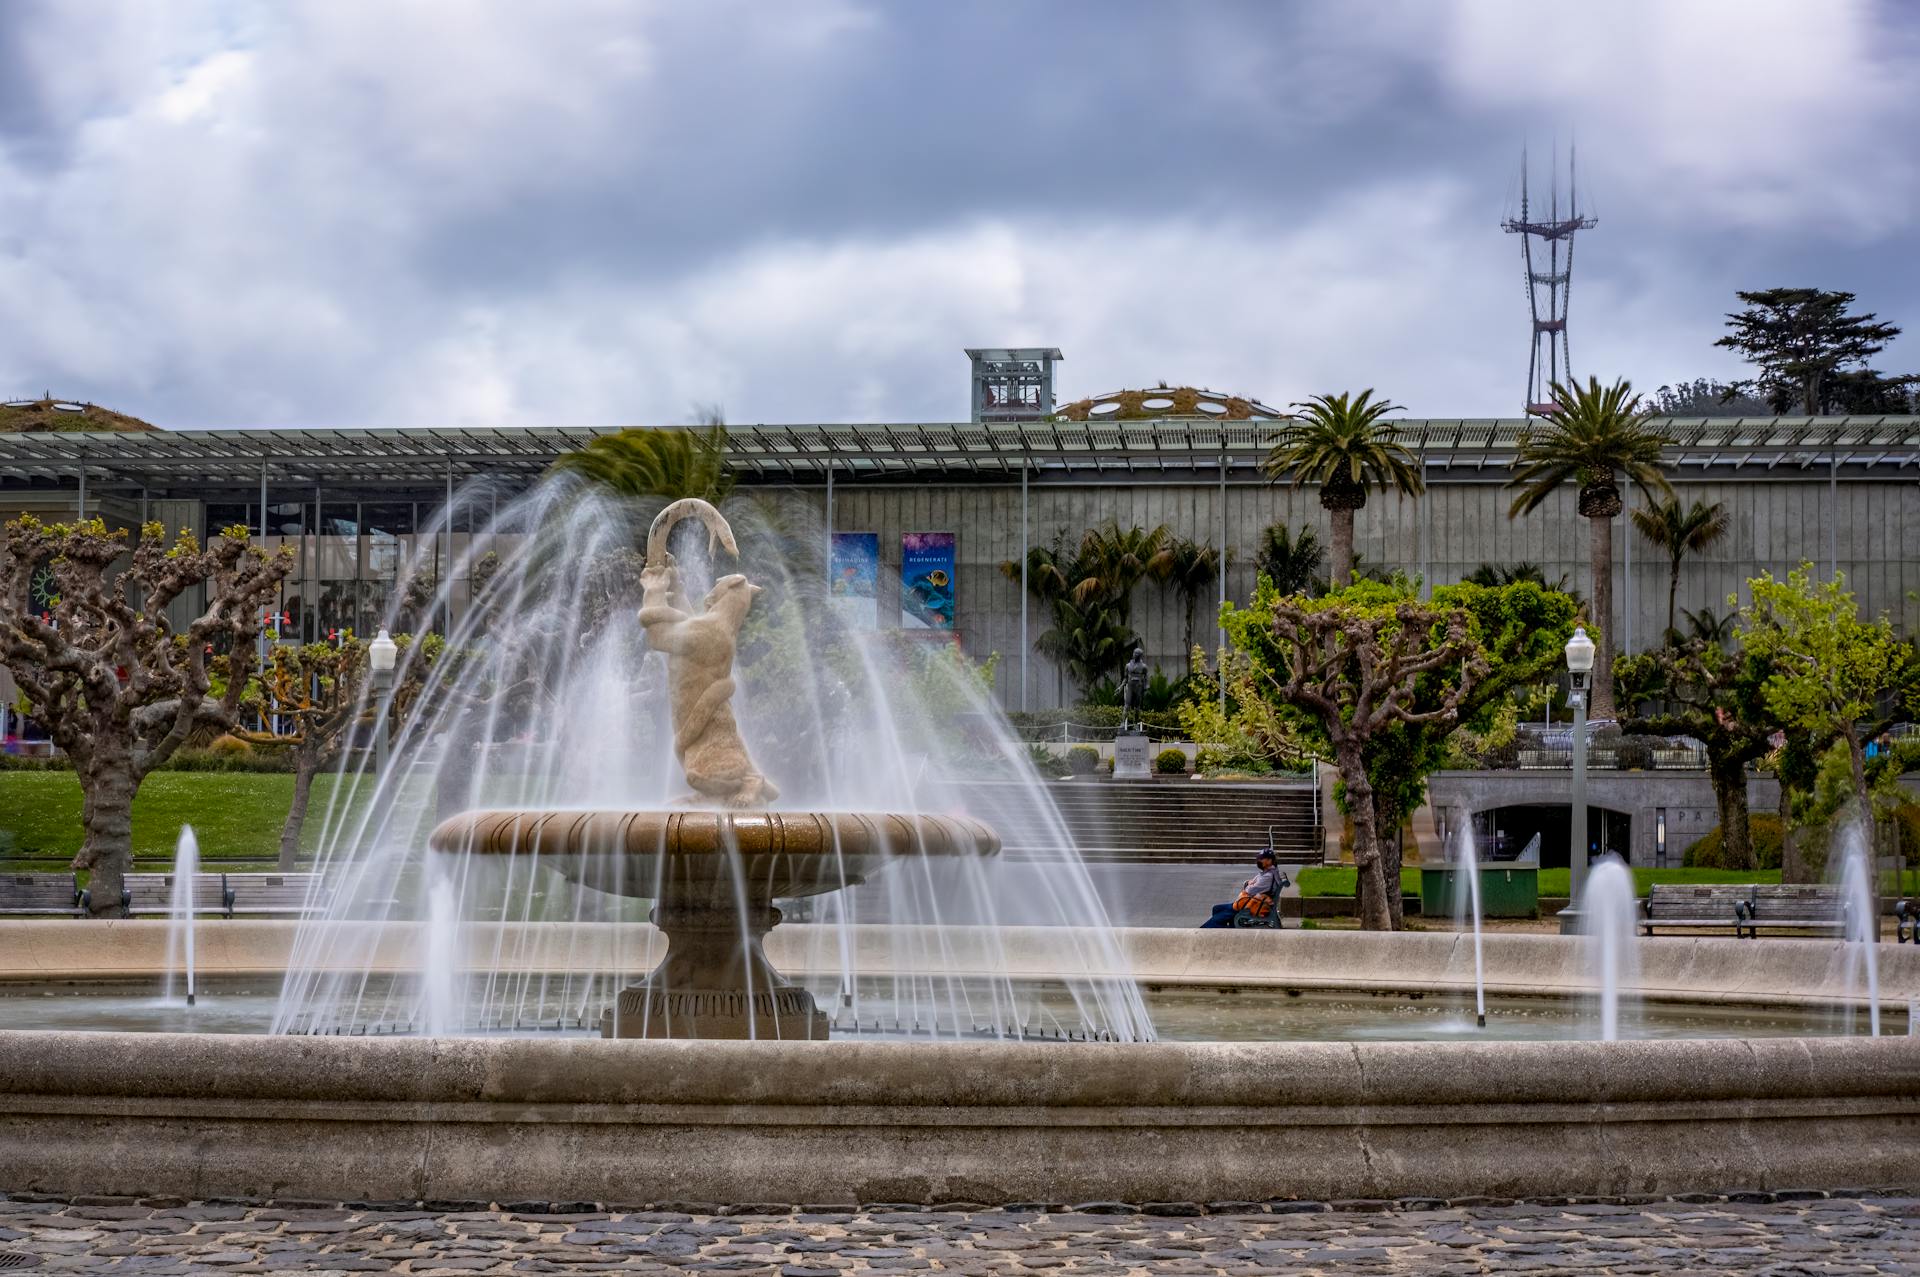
pixel 1870 527
pixel 1686 798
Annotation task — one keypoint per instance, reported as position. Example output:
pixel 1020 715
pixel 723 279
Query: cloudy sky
pixel 377 213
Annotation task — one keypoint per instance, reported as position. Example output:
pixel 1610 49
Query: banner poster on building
pixel 853 579
pixel 926 580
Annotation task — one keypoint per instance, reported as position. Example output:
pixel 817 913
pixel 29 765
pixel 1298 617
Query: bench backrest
pixel 1781 902
pixel 1705 900
pixel 153 893
pixel 51 893
pixel 278 891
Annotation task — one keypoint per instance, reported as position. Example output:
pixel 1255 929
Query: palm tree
pixel 1191 568
pixel 1290 560
pixel 1088 592
pixel 669 462
pixel 1495 575
pixel 1680 531
pixel 1593 436
pixel 1708 628
pixel 1341 443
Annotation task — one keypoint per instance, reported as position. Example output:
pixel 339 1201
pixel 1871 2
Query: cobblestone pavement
pixel 1743 1233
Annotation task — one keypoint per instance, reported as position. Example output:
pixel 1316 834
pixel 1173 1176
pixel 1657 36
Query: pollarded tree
pixel 1351 665
pixel 1520 629
pixel 1831 673
pixel 1343 444
pixel 1679 531
pixel 315 691
pixel 117 686
pixel 1595 436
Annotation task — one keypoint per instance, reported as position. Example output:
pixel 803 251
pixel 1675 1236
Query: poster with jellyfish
pixel 853 579
pixel 926 580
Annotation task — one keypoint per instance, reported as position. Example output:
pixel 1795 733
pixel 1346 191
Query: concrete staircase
pixel 1180 821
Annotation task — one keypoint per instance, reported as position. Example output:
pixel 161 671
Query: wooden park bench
pixel 1746 908
pixel 1695 907
pixel 1797 907
pixel 297 894
pixel 152 893
pixel 1272 919
pixel 41 893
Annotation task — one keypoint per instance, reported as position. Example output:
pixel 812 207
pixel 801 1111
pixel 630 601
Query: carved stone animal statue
pixel 700 651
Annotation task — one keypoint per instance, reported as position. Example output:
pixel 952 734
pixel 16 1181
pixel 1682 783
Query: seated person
pixel 1257 896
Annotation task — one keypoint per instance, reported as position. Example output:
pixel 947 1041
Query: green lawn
pixel 234 815
pixel 1334 880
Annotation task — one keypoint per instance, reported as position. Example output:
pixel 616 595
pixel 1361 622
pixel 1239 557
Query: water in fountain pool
pixel 545 696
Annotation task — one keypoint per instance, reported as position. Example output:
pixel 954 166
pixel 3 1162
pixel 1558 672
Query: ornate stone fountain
pixel 715 863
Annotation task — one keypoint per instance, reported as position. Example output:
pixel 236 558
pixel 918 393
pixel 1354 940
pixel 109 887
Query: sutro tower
pixel 1549 275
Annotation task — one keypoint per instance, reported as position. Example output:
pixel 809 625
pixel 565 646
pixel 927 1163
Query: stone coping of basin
pixel 651 1121
pixel 1697 969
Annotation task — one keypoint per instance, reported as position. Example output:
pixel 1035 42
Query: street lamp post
pixel 380 657
pixel 1580 651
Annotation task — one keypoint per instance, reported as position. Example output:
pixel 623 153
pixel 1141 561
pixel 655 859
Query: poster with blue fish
pixel 926 580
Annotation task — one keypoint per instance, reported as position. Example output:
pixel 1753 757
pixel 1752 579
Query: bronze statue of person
pixel 1134 689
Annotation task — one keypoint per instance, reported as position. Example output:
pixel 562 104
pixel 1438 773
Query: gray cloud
pixel 350 212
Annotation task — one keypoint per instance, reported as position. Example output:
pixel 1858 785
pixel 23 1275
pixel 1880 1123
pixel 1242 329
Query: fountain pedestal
pixel 713 876
pixel 715 981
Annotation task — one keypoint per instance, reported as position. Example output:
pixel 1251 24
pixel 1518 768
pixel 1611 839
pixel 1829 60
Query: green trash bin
pixel 1508 889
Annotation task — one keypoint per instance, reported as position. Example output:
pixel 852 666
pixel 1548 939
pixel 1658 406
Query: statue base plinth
pixel 1130 757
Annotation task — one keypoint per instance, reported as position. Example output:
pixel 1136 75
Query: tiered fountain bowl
pixel 713 877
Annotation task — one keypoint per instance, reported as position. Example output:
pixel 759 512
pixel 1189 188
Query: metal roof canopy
pixel 377 458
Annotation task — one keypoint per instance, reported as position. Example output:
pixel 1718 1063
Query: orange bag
pixel 1258 906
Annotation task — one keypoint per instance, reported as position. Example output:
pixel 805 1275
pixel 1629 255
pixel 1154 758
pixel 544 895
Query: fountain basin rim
pixel 693 832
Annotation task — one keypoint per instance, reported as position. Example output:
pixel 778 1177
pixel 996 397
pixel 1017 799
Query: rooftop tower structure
pixel 1013 384
pixel 1549 276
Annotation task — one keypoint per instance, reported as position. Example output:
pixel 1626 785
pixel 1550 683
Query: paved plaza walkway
pixel 1758 1233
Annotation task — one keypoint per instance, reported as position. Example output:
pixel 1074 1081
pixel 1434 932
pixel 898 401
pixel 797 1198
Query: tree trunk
pixel 1370 885
pixel 1600 563
pixel 1673 598
pixel 1793 860
pixel 1730 796
pixel 303 774
pixel 106 818
pixel 1342 575
pixel 1392 856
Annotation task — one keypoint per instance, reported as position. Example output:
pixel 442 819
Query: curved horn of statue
pixel 700 649
pixel 718 531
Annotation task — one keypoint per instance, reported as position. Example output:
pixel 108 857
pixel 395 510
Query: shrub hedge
pixel 1170 762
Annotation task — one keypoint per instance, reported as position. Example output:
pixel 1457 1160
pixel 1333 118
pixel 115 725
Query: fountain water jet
pixel 1862 925
pixel 440 1012
pixel 1607 928
pixel 180 937
pixel 546 697
pixel 1466 860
